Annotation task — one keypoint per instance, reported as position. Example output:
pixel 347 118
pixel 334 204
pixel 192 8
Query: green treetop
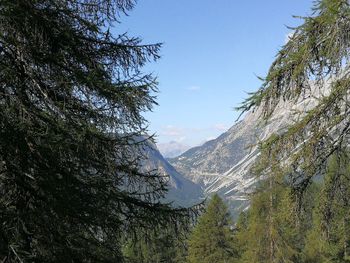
pixel 212 238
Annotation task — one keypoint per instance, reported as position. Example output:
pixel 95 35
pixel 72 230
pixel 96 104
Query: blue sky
pixel 211 55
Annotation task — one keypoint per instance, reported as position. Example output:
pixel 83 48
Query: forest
pixel 72 185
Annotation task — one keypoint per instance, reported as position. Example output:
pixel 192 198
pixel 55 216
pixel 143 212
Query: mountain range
pixel 223 165
pixel 182 191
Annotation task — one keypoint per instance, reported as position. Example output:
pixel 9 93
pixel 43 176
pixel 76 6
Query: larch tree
pixel 316 58
pixel 72 95
pixel 329 238
pixel 314 63
pixel 212 238
pixel 268 233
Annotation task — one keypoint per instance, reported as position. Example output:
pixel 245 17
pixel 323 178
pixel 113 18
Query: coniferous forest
pixel 72 186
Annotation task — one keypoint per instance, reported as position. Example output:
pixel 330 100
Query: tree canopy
pixel 72 95
pixel 311 153
pixel 316 58
pixel 212 237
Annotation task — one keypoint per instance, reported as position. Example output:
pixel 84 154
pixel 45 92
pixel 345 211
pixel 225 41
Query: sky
pixel 212 53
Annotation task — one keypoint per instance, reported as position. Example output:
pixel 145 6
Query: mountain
pixel 172 149
pixel 222 165
pixel 182 191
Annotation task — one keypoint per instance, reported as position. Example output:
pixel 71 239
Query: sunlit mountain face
pixel 223 165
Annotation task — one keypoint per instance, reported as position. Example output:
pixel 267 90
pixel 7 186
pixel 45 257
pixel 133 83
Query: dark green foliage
pixel 71 103
pixel 212 238
pixel 156 247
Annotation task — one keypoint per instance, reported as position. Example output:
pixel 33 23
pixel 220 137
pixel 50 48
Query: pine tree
pixel 212 239
pixel 72 96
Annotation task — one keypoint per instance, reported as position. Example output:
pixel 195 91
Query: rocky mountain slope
pixel 222 165
pixel 182 191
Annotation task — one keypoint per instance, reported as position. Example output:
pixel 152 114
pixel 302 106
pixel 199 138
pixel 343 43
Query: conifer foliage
pixel 165 245
pixel 71 101
pixel 314 59
pixel 329 238
pixel 313 151
pixel 212 238
pixel 274 232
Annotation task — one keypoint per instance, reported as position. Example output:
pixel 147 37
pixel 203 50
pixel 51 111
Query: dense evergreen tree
pixel 71 102
pixel 212 237
pixel 165 245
